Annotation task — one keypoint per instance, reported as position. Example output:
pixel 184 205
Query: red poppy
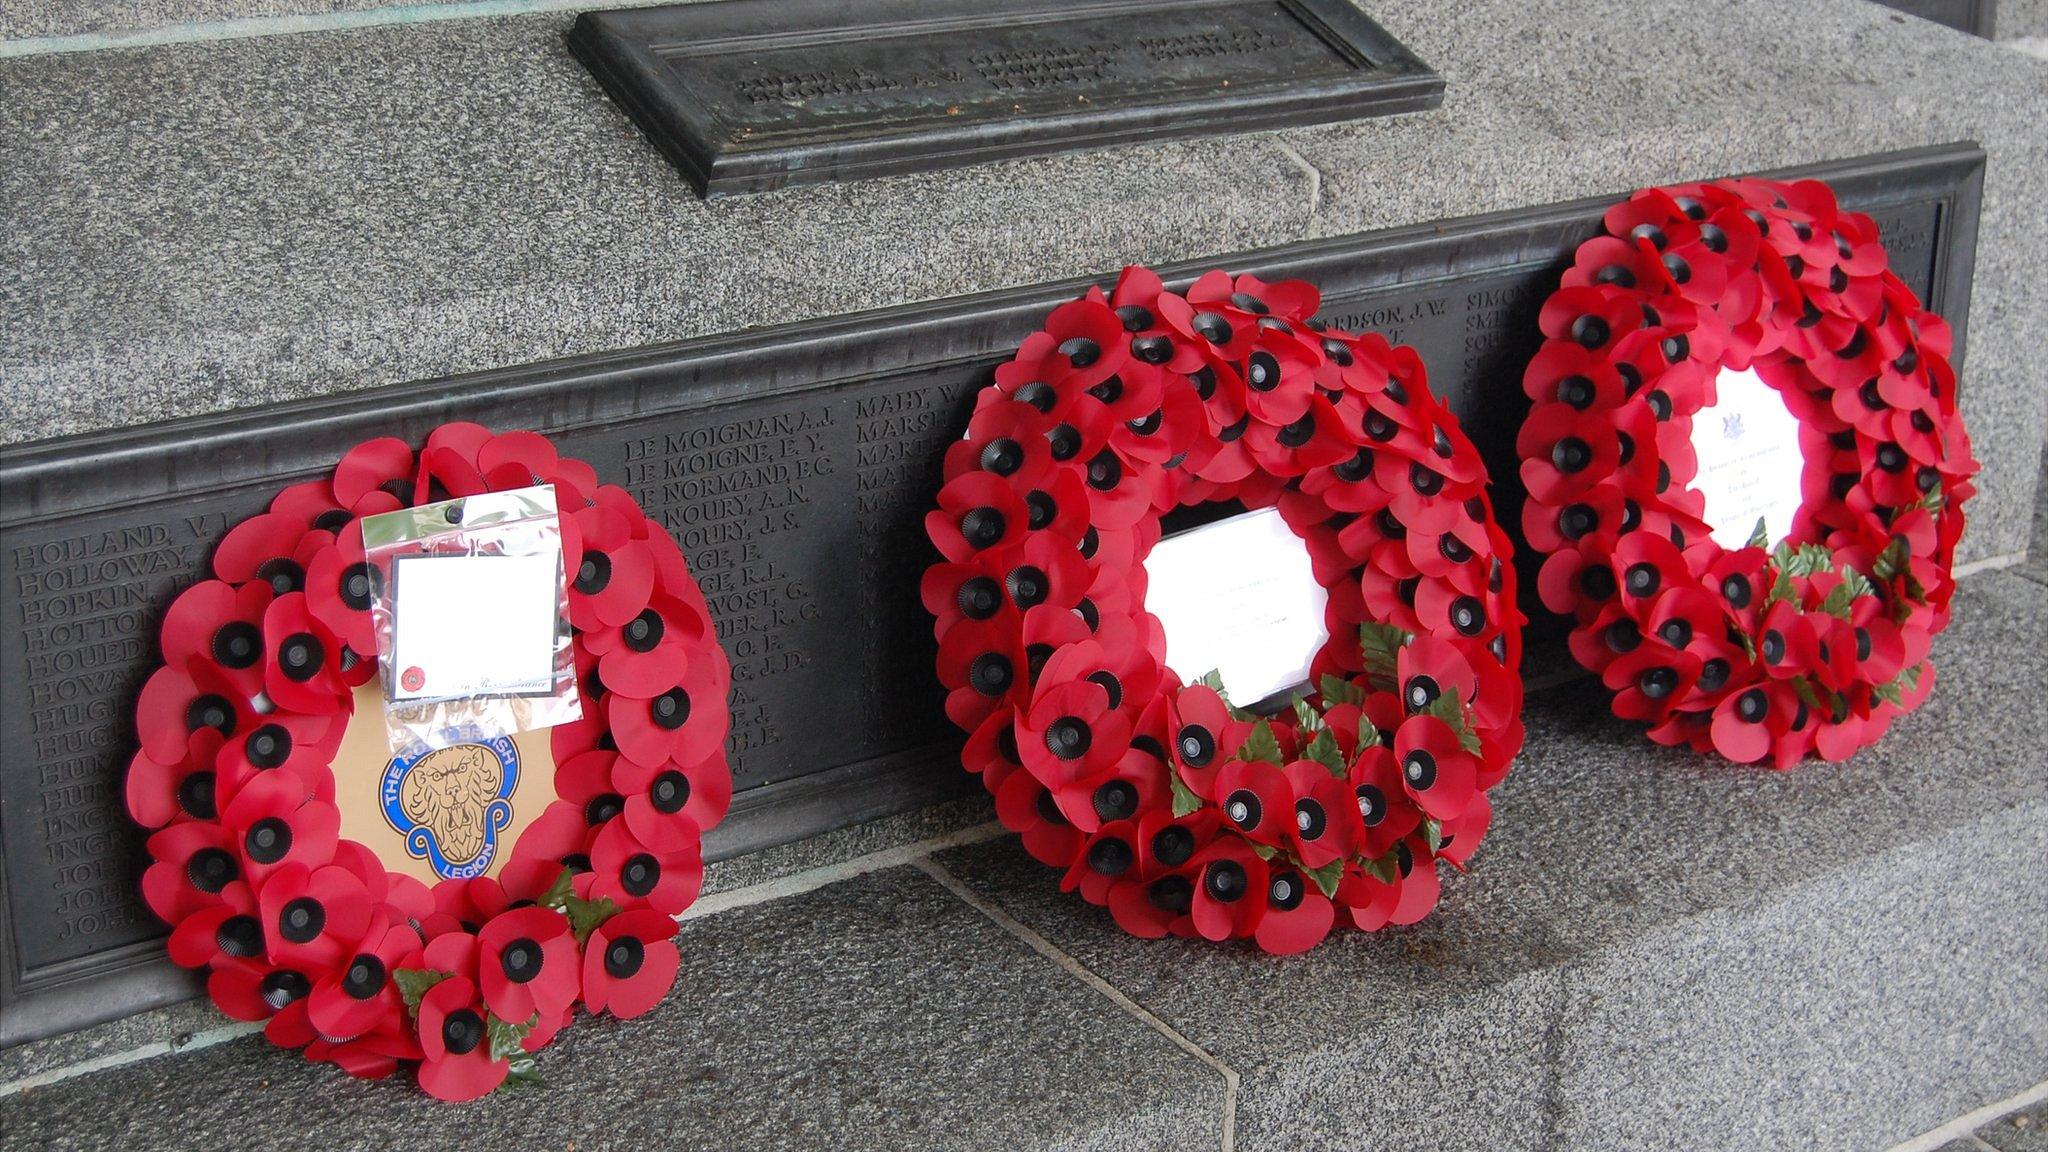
pixel 686 722
pixel 313 917
pixel 455 1043
pixel 630 963
pixel 665 877
pixel 276 823
pixel 359 994
pixel 527 963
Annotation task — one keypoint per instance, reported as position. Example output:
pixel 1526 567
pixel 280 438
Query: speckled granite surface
pixel 204 226
pixel 1652 950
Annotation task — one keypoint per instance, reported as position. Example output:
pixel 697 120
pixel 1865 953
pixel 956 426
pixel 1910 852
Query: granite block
pixel 2023 1131
pixel 209 226
pixel 2037 548
pixel 2018 19
pixel 27 19
pixel 879 1013
pixel 1630 894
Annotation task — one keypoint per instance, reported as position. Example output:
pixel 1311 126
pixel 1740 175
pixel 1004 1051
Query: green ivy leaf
pixel 506 1037
pixel 586 915
pixel 1368 737
pixel 1336 690
pixel 1213 681
pixel 1261 744
pixel 1934 500
pixel 1386 869
pixel 1838 599
pixel 1184 799
pixel 1781 588
pixel 1381 644
pixel 1264 851
pixel 1327 877
pixel 523 1073
pixel 1323 750
pixel 1434 833
pixel 1891 692
pixel 1305 717
pixel 1449 709
pixel 1758 538
pixel 1803 688
pixel 1892 561
pixel 558 892
pixel 413 984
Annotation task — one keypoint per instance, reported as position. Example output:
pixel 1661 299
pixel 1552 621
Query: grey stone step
pixel 210 225
pixel 1653 950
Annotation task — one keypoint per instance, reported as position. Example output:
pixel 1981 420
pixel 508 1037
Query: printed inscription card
pixel 1238 596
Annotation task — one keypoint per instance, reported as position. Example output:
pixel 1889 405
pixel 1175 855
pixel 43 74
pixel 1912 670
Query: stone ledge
pixel 1652 949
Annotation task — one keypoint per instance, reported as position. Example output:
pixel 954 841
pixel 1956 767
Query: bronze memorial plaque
pixel 749 95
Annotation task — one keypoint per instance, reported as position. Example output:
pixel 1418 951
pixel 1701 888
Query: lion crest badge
pixel 451 803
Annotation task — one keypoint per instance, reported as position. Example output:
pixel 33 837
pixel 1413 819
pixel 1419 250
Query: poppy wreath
pixel 1757 653
pixel 308 932
pixel 1154 796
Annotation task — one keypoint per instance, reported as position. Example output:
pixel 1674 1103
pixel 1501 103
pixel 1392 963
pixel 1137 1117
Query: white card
pixel 1750 460
pixel 468 625
pixel 1241 597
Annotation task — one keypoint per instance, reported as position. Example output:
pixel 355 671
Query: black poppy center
pixel 1225 881
pixel 237 644
pixel 1105 471
pixel 1657 683
pixel 1737 591
pixel 196 795
pixel 1421 691
pixel 1116 800
pixel 1175 894
pixel 1419 767
pixel 301 655
pixel 1068 738
pixel 1571 454
pixel 1041 508
pixel 461 1031
pixel 211 869
pixel 1002 456
pixel 283 575
pixel 1752 705
pixel 1372 804
pixel 239 936
pixel 623 957
pixel 269 746
pixel 1080 351
pixel 365 977
pixel 1197 746
pixel 1262 372
pixel 671 709
pixel 670 792
pixel 1110 857
pixel 210 711
pixel 991 674
pixel 1286 890
pixel 1590 331
pixel 1211 327
pixel 1676 632
pixel 979 598
pixel 283 987
pixel 981 527
pixel 1773 646
pixel 1641 579
pixel 594 574
pixel 641 873
pixel 268 840
pixel 300 921
pixel 1468 616
pixel 1173 846
pixel 603 807
pixel 357 583
pixel 1244 808
pixel 520 960
pixel 645 631
pixel 1309 818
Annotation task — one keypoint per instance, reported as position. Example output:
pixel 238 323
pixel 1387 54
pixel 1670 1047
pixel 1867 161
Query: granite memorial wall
pixel 793 465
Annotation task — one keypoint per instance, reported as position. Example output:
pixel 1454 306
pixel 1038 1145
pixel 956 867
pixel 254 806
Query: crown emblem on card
pixel 450 803
pixel 1731 426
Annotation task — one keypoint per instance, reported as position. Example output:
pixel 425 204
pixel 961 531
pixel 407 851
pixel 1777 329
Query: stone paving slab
pixel 1654 947
pixel 2023 1131
pixel 212 225
pixel 877 1013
